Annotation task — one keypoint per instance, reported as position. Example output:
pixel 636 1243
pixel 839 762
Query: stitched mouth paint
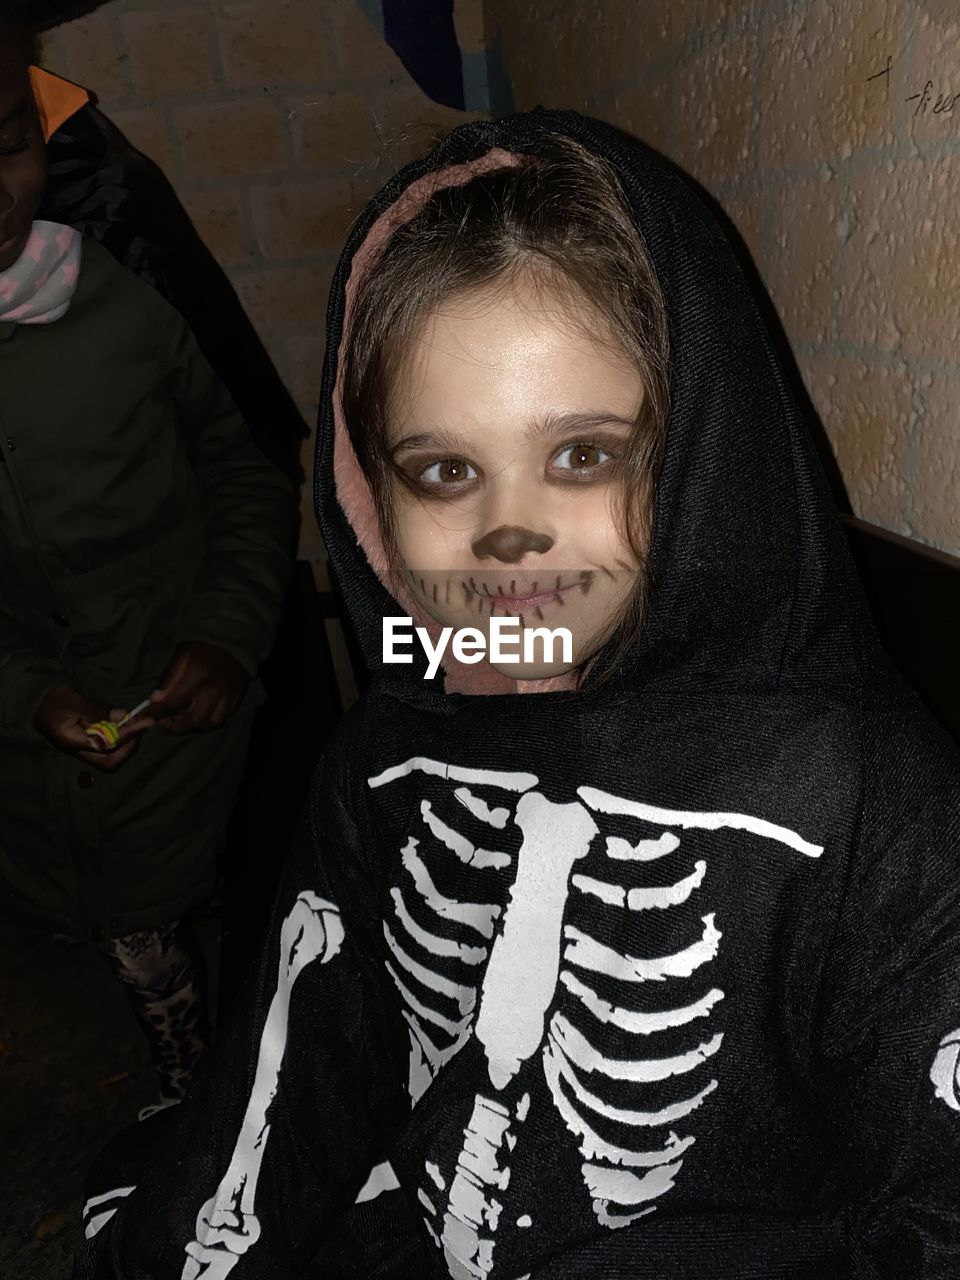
pixel 525 597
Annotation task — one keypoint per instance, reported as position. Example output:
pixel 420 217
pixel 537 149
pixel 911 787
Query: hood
pixel 752 582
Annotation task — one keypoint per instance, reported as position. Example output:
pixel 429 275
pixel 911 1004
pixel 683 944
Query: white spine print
pixel 227 1225
pixel 473 1211
pixel 536 959
pixel 510 1022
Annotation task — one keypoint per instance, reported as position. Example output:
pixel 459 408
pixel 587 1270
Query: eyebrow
pixel 19 110
pixel 556 424
pixel 438 439
pixel 553 424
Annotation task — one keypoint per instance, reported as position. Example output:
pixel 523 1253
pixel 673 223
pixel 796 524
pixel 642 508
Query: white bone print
pixel 945 1072
pixel 440 1025
pixel 510 1022
pixel 227 1225
pixel 534 960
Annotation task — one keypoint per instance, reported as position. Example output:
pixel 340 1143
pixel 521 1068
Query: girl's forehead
pixel 512 352
pixel 532 299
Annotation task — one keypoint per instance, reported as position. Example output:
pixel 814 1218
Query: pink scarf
pixel 38 288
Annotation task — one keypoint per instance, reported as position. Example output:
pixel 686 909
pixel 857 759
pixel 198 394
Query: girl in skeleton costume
pixel 638 966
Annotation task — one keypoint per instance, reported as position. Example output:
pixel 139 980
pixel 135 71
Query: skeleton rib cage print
pixel 529 979
pixel 517 964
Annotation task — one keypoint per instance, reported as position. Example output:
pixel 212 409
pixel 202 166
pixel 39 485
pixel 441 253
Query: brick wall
pixel 275 120
pixel 845 192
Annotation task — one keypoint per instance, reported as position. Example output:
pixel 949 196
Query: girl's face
pixel 506 427
pixel 23 163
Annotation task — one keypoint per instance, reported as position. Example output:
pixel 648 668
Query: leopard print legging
pixel 164 975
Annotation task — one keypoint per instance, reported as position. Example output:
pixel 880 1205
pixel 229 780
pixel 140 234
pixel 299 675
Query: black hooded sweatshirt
pixel 659 980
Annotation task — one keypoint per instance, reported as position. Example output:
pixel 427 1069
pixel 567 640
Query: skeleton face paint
pixel 507 427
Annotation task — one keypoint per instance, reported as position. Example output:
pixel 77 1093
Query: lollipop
pixel 107 732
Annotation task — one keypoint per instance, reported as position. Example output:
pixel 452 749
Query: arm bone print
pixel 227 1225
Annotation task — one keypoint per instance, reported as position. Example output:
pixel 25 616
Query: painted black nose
pixel 510 543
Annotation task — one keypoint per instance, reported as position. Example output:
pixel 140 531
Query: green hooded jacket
pixel 135 513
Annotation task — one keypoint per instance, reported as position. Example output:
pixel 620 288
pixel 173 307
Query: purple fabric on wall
pixel 422 34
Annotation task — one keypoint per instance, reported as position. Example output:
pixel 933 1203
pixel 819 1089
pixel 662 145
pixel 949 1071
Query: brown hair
pixel 559 215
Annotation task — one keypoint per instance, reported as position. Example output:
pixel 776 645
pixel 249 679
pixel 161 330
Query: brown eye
pixel 449 471
pixel 581 457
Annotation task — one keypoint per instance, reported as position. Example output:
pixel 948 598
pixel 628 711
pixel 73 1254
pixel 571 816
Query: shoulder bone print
pixel 440 943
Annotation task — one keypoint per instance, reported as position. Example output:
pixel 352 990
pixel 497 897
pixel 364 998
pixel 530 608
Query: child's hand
pixel 200 689
pixel 63 718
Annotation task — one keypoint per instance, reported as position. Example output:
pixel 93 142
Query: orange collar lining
pixel 57 99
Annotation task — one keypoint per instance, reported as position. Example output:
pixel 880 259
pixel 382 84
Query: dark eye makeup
pixel 583 462
pixel 440 477
pixel 578 462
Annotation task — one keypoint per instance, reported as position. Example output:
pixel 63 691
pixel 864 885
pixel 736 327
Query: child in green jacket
pixel 145 545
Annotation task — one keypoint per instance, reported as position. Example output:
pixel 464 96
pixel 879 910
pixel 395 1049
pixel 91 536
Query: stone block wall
pixel 828 129
pixel 830 132
pixel 275 120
